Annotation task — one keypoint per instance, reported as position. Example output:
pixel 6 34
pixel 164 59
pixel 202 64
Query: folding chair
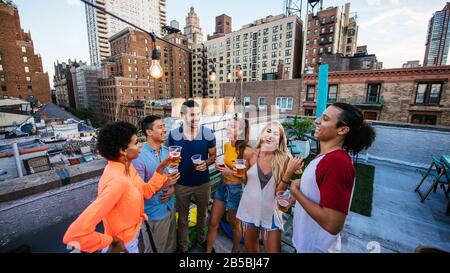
pixel 440 175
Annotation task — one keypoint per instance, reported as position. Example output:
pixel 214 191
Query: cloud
pixel 73 2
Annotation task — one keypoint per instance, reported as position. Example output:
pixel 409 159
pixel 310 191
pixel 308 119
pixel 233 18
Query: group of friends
pixel 142 186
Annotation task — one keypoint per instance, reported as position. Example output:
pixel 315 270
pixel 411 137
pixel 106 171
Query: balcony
pixel 375 103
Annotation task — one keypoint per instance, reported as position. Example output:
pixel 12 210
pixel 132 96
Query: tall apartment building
pixel 63 83
pixel 438 38
pixel 261 49
pixel 192 29
pixel 223 26
pixel 21 72
pixel 126 75
pixel 85 85
pixel 150 15
pixel 330 31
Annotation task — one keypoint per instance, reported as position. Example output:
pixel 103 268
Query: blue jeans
pixel 230 194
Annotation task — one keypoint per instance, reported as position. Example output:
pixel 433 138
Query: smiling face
pixel 233 130
pixel 270 138
pixel 158 132
pixel 192 117
pixel 326 125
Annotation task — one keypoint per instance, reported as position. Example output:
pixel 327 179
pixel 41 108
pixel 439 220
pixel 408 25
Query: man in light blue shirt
pixel 161 225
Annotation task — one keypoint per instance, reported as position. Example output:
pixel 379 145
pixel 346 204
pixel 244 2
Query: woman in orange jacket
pixel 120 203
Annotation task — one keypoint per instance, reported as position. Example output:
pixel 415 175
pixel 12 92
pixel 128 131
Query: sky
pixel 394 30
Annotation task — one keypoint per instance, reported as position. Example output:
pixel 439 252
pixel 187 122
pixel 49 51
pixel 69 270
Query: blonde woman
pixel 270 170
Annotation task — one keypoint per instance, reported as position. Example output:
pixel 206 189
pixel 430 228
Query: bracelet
pixel 288 183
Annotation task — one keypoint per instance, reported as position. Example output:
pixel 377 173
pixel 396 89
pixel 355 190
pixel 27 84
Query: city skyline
pixel 381 23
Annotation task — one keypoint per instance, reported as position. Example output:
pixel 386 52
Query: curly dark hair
pixel 113 137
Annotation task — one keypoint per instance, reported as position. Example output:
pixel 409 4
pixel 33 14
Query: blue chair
pixel 440 176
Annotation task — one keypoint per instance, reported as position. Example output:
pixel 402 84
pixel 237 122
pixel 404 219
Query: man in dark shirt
pixel 194 180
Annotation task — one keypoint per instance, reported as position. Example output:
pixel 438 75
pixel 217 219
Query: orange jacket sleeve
pixel 81 233
pixel 154 184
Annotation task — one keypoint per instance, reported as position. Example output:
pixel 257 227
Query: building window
pixel 288 61
pixel 316 31
pixel 370 116
pixel 309 112
pixel 27 69
pixel 307 42
pixel 288 52
pixel 274 37
pixel 315 41
pixel 310 92
pixel 309 24
pixel 373 93
pixel 262 102
pixel 274 54
pixel 289 43
pixel 332 19
pixel 1 67
pixel 284 103
pixel 25 59
pixel 24 49
pixel 329 49
pixel 264 47
pixel 428 93
pixel 274 62
pixel 321 50
pixel 265 31
pixel 314 51
pixel 289 35
pixel 322 31
pixel 324 20
pixel 28 79
pixel 332 93
pixel 330 39
pixel 317 22
pixel 424 119
pixel 274 46
pixel 246 101
pixel 289 25
pixel 275 29
pixel 331 29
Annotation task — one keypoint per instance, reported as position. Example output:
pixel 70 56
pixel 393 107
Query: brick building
pixel 329 31
pixel 63 83
pixel 418 95
pixel 21 72
pixel 126 74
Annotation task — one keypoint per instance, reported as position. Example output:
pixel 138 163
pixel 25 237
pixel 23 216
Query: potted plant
pixel 296 130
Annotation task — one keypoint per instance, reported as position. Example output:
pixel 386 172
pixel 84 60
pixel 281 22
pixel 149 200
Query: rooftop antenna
pixel 313 3
pixel 293 7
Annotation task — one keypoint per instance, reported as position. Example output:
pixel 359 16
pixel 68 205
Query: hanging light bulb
pixel 229 76
pixel 156 70
pixel 239 72
pixel 212 75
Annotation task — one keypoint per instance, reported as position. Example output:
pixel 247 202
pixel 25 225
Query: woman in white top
pixel 270 170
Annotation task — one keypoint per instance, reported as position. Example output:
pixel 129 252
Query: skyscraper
pixel 147 14
pixel 193 30
pixel 438 38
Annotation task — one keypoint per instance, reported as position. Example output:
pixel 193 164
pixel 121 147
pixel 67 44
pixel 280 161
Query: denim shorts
pixel 230 194
pixel 251 225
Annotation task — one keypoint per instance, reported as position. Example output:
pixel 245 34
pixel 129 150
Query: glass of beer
pixel 196 159
pixel 240 167
pixel 219 162
pixel 173 169
pixel 283 200
pixel 175 155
